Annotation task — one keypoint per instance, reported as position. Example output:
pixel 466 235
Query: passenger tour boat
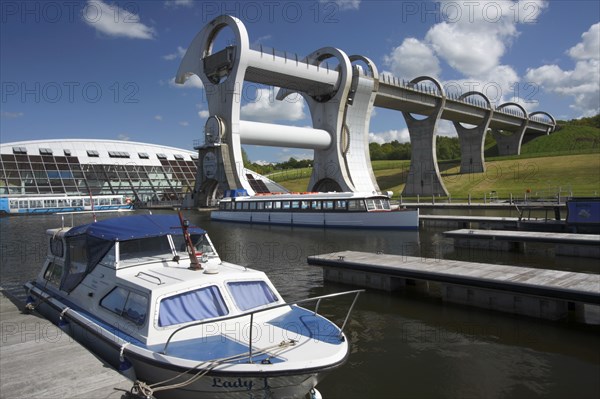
pixel 150 295
pixel 339 210
pixel 27 205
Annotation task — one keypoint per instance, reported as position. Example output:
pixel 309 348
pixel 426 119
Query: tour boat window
pixel 77 202
pixel 127 304
pixel 36 203
pixel 49 203
pixel 251 294
pixel 370 205
pixel 285 204
pixel 253 206
pixel 316 205
pixel 328 205
pixel 276 204
pixel 340 205
pixel 14 204
pixel 378 204
pixel 305 204
pixel 356 205
pixel 260 205
pixel 86 202
pixel 56 247
pixel 104 201
pixel 115 201
pixel 386 204
pixel 144 248
pixel 245 205
pixel 53 273
pixel 238 205
pixel 268 205
pixel 196 305
pixel 295 204
pixel 200 242
pixel 24 204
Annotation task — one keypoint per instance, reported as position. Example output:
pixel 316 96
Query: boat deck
pixel 32 348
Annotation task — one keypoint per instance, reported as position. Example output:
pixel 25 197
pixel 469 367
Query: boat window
pixel 77 202
pixel 305 205
pixel 56 247
pixel 14 204
pixel 49 203
pixel 24 204
pixel 285 204
pixel 251 294
pixel 356 205
pixel 378 204
pixel 386 204
pixel 328 205
pixel 54 273
pixel 370 204
pixel 268 205
pixel 110 258
pixel 238 205
pixel 340 205
pixel 295 204
pixel 199 241
pixel 196 305
pixel 127 304
pixel 245 205
pixel 316 204
pixel 252 205
pixel 276 204
pixel 260 205
pixel 144 248
pixel 36 203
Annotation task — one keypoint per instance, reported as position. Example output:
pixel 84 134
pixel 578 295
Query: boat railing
pixel 316 299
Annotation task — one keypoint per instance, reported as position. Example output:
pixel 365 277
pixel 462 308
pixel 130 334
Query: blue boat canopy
pixel 133 227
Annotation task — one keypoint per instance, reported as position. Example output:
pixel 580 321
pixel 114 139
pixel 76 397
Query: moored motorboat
pixel 150 295
pixel 334 210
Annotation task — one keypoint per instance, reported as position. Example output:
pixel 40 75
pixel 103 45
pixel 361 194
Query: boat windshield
pixel 200 242
pixel 145 249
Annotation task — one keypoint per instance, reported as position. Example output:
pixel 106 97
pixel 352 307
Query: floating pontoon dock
pixel 521 290
pixel 583 245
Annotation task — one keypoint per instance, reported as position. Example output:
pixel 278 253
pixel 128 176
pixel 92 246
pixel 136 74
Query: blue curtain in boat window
pixel 195 305
pixel 251 294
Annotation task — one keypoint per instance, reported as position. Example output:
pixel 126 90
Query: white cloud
pixel 411 59
pixel 265 108
pixel 184 123
pixel 286 154
pixel 583 82
pixel 11 115
pixel 179 53
pixel 388 136
pixel 179 3
pixel 203 114
pixel 114 21
pixel 343 5
pixel 158 117
pixel 123 137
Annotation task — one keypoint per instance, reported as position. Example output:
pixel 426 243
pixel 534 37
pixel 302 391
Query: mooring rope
pixel 140 388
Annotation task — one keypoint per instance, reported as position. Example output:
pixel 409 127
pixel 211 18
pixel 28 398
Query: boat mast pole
pixel 194 263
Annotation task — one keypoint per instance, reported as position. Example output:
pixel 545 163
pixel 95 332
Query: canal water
pixel 404 344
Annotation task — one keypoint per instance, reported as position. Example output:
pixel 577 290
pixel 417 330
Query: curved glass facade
pixel 143 172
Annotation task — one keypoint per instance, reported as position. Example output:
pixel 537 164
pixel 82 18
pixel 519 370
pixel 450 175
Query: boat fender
pixel 63 324
pixel 29 304
pixel 125 366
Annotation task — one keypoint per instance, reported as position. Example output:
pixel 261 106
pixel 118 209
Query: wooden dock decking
pixel 522 290
pixel 39 360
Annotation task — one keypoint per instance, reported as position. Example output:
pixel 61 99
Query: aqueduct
pixel 341 101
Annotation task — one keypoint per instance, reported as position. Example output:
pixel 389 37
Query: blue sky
pixel 102 69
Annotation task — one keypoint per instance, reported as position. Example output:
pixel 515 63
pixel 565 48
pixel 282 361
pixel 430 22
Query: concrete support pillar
pixel 509 143
pixel 424 175
pixel 472 139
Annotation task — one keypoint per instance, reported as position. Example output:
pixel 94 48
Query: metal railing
pixel 251 315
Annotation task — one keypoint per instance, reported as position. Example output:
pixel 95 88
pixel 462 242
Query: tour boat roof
pixel 307 196
pixel 133 227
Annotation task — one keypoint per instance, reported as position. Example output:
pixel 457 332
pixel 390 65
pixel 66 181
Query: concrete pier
pixel 569 244
pixel 39 360
pixel 547 294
